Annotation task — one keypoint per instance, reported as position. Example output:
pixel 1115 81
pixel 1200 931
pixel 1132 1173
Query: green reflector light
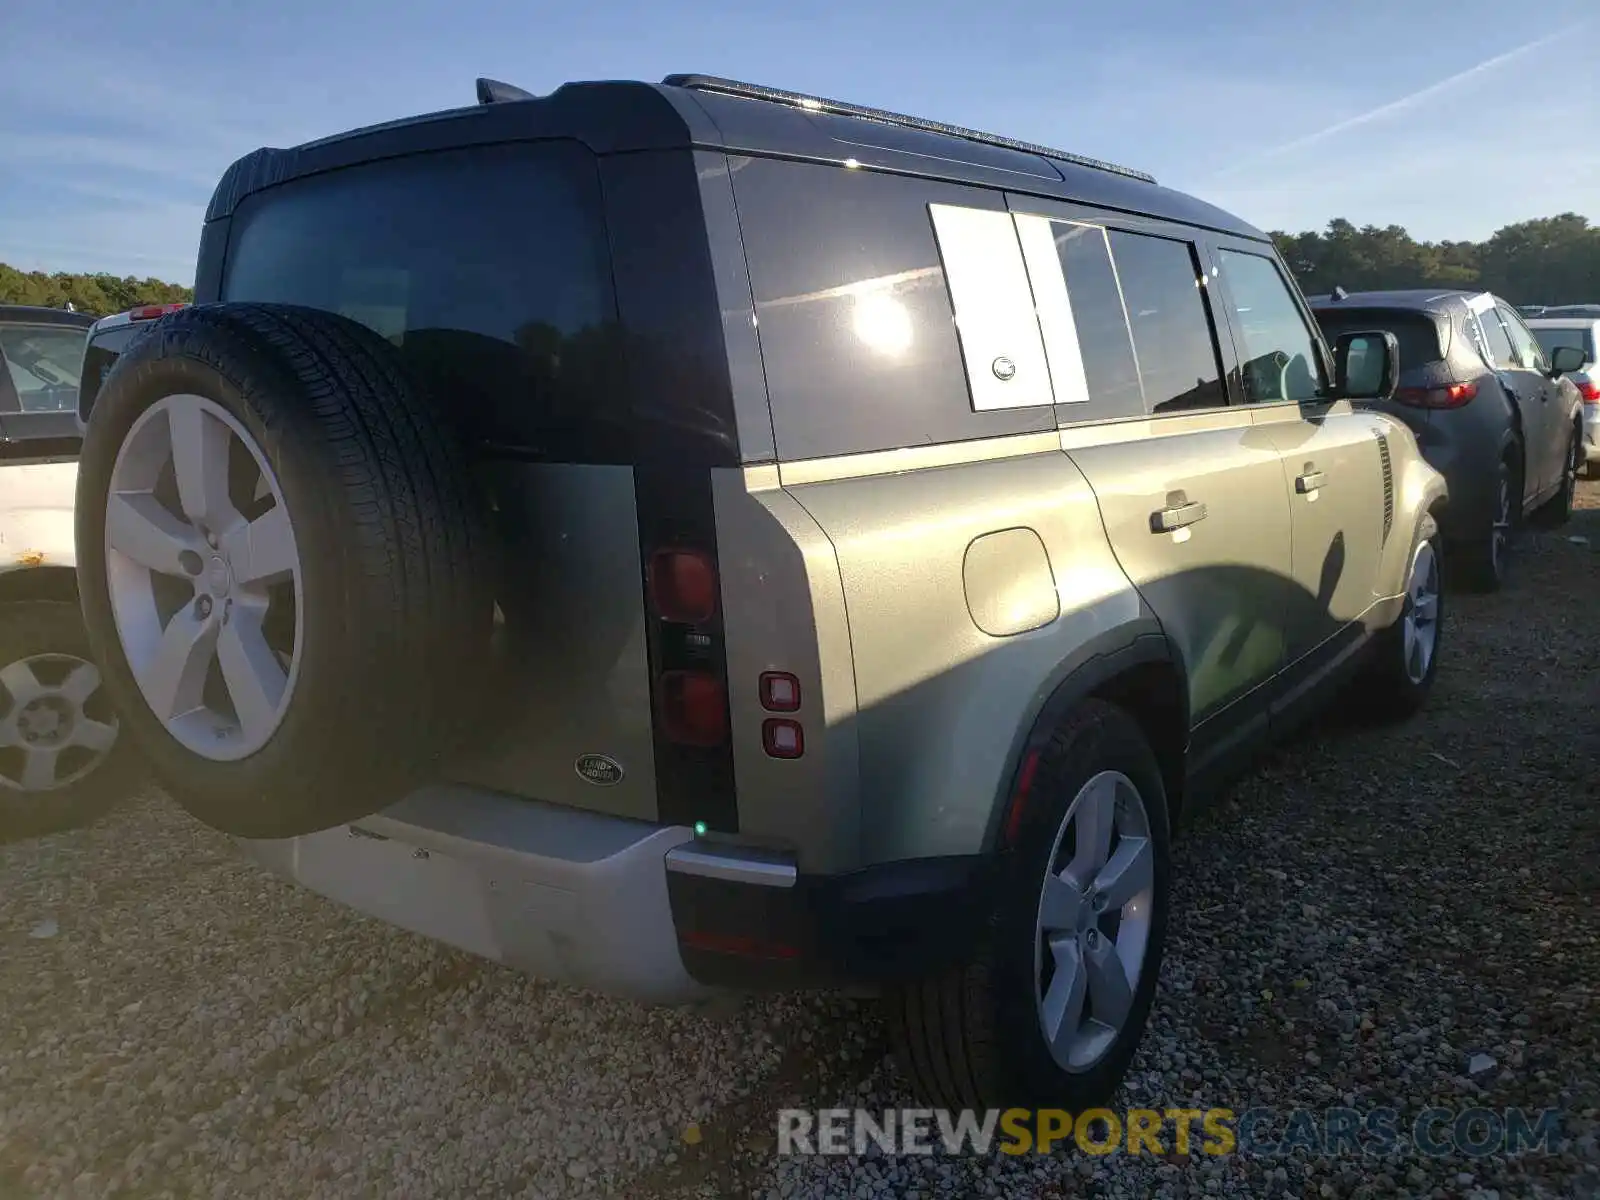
pixel 700 828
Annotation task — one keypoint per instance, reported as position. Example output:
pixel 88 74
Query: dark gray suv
pixel 1497 417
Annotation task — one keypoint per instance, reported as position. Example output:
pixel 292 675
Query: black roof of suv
pixel 697 111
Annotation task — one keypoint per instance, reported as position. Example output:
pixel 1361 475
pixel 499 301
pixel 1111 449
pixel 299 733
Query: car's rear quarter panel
pixel 925 555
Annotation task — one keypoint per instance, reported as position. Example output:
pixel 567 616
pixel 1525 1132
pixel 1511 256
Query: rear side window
pixel 1493 340
pixel 44 363
pixel 1279 360
pixel 857 317
pixel 1172 337
pixel 1417 334
pixel 1522 340
pixel 489 269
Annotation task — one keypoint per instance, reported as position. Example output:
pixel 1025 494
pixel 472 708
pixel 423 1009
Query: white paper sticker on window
pixel 999 333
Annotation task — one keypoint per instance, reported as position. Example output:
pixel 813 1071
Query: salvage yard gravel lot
pixel 1352 920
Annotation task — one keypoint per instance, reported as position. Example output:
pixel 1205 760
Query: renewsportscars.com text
pixel 1432 1132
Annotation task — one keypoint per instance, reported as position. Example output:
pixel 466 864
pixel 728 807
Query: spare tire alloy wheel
pixel 1094 924
pixel 206 598
pixel 283 567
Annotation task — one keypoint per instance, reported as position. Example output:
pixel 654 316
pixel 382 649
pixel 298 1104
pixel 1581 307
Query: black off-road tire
pixel 51 627
pixel 395 568
pixel 1385 691
pixel 971 1037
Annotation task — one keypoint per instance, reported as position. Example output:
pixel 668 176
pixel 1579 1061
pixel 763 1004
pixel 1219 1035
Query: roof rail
pixel 755 91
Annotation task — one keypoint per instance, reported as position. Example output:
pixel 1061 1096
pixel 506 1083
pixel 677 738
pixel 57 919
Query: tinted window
pixel 487 267
pixel 1279 359
pixel 1417 334
pixel 1104 342
pixel 1580 336
pixel 1496 342
pixel 44 362
pixel 1171 330
pixel 1525 344
pixel 857 329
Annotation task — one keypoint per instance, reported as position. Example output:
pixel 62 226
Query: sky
pixel 1449 117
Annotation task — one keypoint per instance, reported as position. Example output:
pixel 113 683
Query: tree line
pixel 1550 260
pixel 99 295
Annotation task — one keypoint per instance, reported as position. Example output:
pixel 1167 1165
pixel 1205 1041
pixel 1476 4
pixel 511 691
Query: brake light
pixel 694 708
pixel 1590 391
pixel 683 586
pixel 1452 395
pixel 149 312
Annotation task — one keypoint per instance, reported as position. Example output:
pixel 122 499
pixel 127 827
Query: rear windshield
pixel 44 362
pixel 488 267
pixel 1417 334
pixel 1581 336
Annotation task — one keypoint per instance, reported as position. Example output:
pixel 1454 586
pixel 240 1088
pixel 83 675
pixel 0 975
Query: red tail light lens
pixel 694 708
pixel 683 586
pixel 1452 395
pixel 149 312
pixel 782 738
pixel 1590 390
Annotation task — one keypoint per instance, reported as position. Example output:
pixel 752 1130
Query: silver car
pixel 1583 333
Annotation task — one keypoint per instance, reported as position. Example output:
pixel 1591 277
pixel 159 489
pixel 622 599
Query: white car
pixel 61 761
pixel 1584 333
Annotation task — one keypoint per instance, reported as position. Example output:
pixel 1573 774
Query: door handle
pixel 1309 482
pixel 1179 516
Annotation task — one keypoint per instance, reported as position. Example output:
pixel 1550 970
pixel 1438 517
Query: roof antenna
pixel 492 91
pixel 1339 293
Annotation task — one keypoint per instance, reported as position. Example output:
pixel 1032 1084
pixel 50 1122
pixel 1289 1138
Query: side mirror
pixel 1366 365
pixel 1564 360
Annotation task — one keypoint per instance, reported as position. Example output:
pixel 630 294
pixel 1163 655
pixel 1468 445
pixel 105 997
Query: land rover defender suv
pixel 695 536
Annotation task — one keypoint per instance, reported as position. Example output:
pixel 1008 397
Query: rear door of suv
pixel 1190 490
pixel 1553 407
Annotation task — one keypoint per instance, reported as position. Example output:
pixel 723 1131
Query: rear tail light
pixel 149 312
pixel 1452 395
pixel 694 708
pixel 683 586
pixel 1590 391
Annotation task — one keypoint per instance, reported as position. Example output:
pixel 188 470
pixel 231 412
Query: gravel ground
pixel 1352 921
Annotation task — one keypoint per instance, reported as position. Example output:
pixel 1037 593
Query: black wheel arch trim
pixel 1104 659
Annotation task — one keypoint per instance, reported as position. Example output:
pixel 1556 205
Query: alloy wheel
pixel 1095 917
pixel 54 727
pixel 204 577
pixel 1500 530
pixel 1421 619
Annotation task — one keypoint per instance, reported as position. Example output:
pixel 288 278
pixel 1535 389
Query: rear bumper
pixel 630 908
pixel 1591 432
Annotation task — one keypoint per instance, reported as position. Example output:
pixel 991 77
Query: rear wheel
pixel 1051 1009
pixel 281 566
pixel 63 761
pixel 1486 558
pixel 1557 511
pixel 1405 656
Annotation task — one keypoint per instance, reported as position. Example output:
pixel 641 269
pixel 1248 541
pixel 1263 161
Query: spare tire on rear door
pixel 283 566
